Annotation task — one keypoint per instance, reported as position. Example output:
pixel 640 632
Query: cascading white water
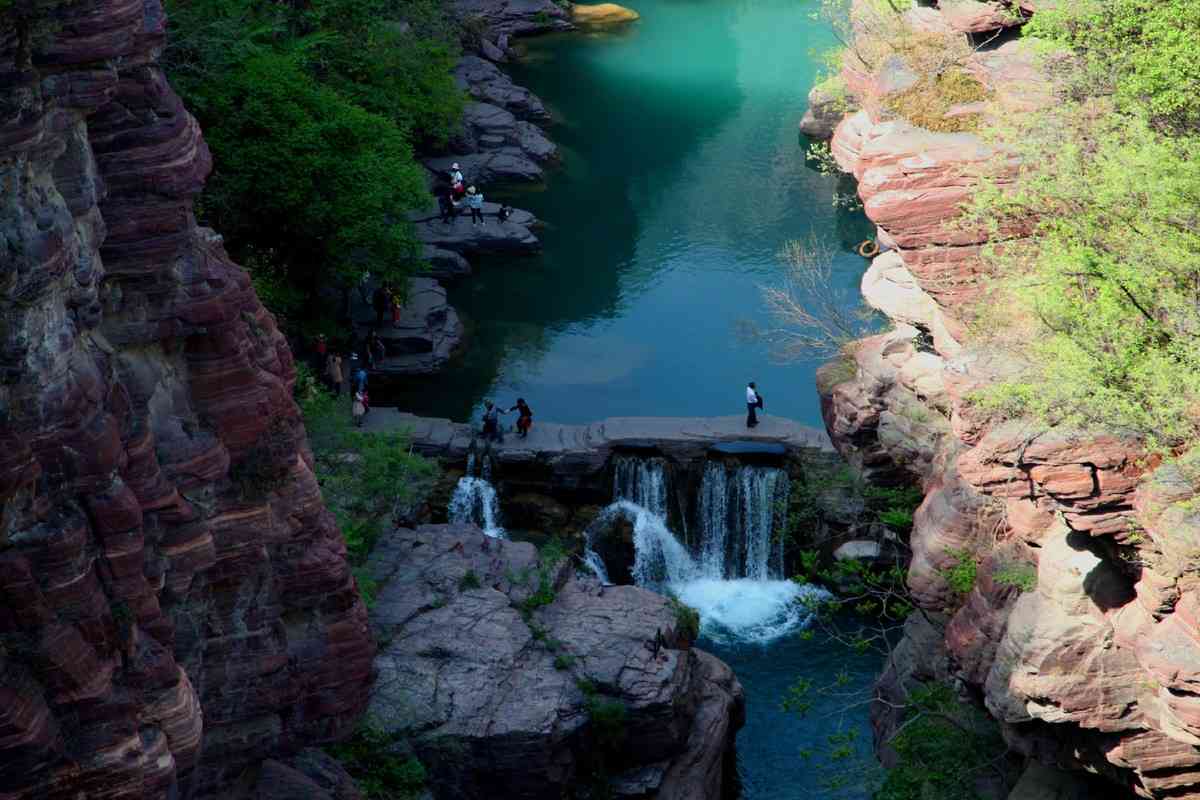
pixel 642 481
pixel 737 515
pixel 731 583
pixel 474 500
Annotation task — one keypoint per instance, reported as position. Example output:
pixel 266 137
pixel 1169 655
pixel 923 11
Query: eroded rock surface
pixel 177 602
pixel 1079 631
pixel 493 691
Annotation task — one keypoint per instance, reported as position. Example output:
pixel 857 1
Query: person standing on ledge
pixel 491 422
pixel 475 203
pixel 753 403
pixel 525 418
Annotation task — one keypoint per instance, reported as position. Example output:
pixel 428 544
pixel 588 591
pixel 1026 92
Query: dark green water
pixel 683 174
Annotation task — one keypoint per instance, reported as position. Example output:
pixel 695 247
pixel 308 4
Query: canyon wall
pixel 176 598
pixel 1080 633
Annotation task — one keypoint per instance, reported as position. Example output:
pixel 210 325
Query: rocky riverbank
pixel 510 676
pixel 500 142
pixel 1077 633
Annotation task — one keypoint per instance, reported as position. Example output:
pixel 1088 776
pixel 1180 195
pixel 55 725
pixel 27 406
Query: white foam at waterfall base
pixel 474 502
pixel 740 609
pixel 748 610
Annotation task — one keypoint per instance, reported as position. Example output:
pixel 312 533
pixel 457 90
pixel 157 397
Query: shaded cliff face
pixel 176 599
pixel 1081 630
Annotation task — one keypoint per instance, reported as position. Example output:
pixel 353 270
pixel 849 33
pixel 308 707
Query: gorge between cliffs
pixel 895 587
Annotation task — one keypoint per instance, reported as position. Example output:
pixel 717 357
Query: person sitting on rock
pixel 504 213
pixel 475 203
pixel 524 417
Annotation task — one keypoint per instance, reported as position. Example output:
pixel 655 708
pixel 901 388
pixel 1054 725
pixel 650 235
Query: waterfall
pixel 641 481
pixel 474 500
pixel 734 581
pixel 738 510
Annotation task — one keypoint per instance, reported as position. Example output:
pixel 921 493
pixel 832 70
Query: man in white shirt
pixel 753 403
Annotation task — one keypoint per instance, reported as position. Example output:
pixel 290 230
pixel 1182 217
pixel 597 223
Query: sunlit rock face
pixel 1079 632
pixel 176 599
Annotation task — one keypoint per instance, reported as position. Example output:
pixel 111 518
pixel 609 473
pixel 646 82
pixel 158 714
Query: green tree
pixel 312 110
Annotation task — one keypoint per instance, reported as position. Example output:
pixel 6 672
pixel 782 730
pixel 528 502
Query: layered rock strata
pixel 177 602
pixel 503 694
pixel 1079 632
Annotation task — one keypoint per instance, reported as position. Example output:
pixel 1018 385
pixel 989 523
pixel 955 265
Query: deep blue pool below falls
pixel 782 755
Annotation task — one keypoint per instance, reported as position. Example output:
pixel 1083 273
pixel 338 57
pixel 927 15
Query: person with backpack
pixel 754 402
pixel 524 417
pixel 475 203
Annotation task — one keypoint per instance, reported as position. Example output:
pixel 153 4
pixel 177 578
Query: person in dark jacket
pixel 381 301
pixel 376 351
pixel 524 417
pixel 446 205
pixel 754 402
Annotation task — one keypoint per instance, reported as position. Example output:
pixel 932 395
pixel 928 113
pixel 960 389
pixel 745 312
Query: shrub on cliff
pixel 1143 53
pixel 312 110
pixel 1103 303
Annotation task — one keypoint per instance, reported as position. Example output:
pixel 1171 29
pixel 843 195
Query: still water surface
pixel 683 174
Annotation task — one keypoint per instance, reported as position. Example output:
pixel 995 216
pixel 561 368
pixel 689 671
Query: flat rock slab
pixel 493 236
pixel 491 700
pixel 575 452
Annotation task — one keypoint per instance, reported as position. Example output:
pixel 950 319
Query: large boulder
pixel 595 14
pixel 504 695
pixel 825 110
pixel 512 236
pixel 514 17
pixel 485 82
pixel 426 335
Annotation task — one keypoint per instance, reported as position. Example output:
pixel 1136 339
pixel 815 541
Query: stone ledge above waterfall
pixel 587 448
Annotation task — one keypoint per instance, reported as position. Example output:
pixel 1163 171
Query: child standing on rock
pixel 475 203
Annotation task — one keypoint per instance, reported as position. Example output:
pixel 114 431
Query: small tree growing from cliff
pixel 811 314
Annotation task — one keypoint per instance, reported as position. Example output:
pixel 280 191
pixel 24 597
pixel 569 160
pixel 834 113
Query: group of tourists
pixel 492 431
pixel 458 195
pixel 336 371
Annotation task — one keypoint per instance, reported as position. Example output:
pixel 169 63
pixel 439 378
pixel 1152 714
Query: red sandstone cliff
pixel 1097 667
pixel 176 599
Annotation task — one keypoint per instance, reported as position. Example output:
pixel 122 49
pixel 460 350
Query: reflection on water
pixel 683 175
